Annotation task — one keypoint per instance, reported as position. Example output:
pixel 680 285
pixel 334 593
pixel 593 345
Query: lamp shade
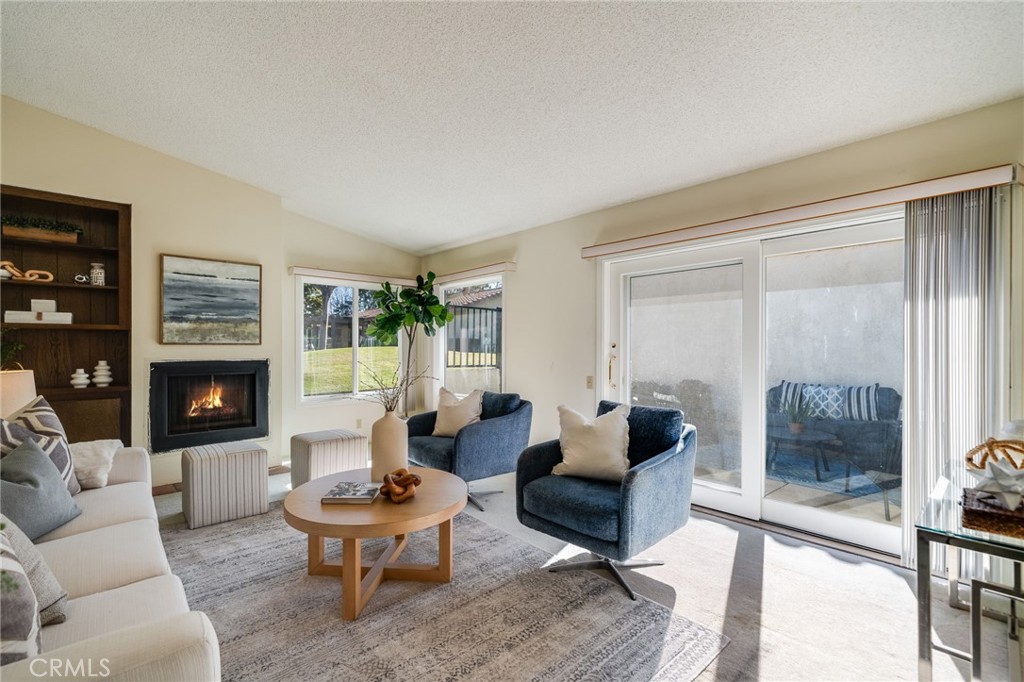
pixel 17 389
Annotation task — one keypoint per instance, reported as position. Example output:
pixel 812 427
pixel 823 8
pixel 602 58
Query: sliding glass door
pixel 833 374
pixel 786 352
pixel 686 337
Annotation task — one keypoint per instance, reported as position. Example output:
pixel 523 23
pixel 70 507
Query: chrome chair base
pixel 475 494
pixel 612 566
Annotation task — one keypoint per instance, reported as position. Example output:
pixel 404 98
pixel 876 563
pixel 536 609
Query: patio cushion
pixel 824 402
pixel 860 403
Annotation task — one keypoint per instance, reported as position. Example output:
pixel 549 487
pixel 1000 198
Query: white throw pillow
pixel 594 448
pixel 93 460
pixel 453 414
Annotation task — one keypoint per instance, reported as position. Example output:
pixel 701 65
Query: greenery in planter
pixel 404 311
pixel 40 224
pixel 9 350
pixel 796 411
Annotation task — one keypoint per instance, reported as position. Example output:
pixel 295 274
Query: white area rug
pixel 503 616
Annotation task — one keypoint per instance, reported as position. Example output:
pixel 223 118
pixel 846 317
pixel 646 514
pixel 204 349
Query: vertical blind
pixel 953 318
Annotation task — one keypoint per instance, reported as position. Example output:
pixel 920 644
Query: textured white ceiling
pixel 427 125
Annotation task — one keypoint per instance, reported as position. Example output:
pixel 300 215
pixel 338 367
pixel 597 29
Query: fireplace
pixel 199 402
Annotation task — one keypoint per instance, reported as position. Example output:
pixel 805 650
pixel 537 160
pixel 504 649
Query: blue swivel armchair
pixel 615 521
pixel 488 447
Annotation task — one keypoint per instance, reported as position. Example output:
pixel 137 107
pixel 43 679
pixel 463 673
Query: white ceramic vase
pixel 390 437
pixel 101 374
pixel 79 379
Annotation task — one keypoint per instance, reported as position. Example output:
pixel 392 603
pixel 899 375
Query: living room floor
pixel 792 610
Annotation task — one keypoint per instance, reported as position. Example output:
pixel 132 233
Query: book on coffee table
pixel 348 492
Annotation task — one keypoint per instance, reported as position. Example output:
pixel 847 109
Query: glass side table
pixel 941 522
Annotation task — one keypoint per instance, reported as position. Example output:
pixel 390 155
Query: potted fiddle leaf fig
pixel 404 311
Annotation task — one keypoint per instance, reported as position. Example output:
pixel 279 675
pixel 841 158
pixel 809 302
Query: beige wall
pixel 182 209
pixel 551 300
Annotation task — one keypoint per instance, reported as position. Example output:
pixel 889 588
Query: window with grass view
pixel 338 357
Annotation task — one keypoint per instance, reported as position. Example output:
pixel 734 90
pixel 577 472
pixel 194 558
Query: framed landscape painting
pixel 209 301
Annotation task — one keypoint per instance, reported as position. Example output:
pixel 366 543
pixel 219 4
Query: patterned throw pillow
pixel 39 422
pixel 824 402
pixel 860 403
pixel 39 417
pixel 19 629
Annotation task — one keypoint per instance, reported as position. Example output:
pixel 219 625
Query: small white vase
pixel 79 379
pixel 101 376
pixel 390 436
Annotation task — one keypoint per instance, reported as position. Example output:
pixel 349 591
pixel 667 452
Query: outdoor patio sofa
pixel 875 446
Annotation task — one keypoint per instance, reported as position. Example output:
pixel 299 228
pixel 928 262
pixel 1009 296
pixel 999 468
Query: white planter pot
pixel 390 444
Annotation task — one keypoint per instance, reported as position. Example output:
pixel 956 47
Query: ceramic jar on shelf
pixel 97 275
pixel 79 379
pixel 101 374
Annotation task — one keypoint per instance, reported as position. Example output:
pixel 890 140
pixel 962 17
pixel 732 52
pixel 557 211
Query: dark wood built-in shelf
pixel 41 243
pixel 59 285
pixel 73 326
pixel 88 393
pixel 102 314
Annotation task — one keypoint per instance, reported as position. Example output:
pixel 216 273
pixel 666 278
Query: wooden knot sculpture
pixel 400 485
pixel 26 276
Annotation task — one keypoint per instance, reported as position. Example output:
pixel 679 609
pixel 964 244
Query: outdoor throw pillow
pixel 51 596
pixel 791 393
pixel 93 460
pixel 860 403
pixel 32 493
pixel 453 413
pixel 823 402
pixel 38 421
pixel 594 448
pixel 19 610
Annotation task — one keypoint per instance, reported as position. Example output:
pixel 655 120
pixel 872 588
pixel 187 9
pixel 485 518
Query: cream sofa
pixel 127 616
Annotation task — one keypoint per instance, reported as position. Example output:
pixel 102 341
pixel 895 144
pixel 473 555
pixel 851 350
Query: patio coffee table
pixel 440 497
pixel 808 437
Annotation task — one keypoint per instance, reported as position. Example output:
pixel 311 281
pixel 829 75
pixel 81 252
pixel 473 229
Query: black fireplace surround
pixel 201 402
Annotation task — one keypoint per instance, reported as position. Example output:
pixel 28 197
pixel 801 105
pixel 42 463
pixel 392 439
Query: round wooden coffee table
pixel 437 501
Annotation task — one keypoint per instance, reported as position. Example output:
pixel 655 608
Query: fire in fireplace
pixel 211 405
pixel 203 402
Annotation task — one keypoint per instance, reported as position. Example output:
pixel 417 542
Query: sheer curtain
pixel 954 311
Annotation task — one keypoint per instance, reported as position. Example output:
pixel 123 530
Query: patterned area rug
pixel 799 468
pixel 503 617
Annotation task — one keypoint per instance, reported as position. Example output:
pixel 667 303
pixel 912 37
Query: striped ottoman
pixel 223 482
pixel 326 452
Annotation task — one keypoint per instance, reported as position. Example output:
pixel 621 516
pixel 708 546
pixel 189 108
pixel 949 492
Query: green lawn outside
pixel 330 371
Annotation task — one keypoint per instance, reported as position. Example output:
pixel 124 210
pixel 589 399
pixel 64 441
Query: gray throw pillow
pixel 19 613
pixel 32 492
pixel 51 596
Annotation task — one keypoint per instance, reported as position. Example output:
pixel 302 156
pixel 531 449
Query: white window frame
pixel 440 348
pixel 304 277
